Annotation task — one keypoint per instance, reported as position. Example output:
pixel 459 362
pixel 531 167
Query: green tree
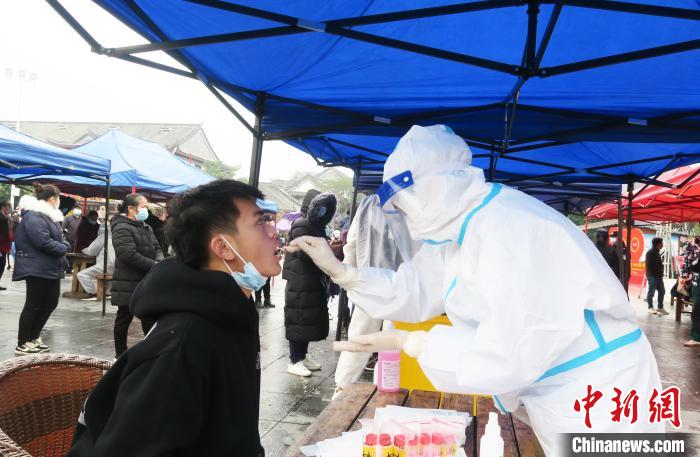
pixel 221 170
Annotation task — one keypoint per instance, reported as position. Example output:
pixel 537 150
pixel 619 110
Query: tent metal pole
pixel 492 163
pixel 636 8
pixel 620 251
pixel 628 267
pixel 354 34
pixel 258 139
pixel 73 22
pixel 620 58
pixel 106 247
pixel 353 207
pixel 343 308
pixel 156 66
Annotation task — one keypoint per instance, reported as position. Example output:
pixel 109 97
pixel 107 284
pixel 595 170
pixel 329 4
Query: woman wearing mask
pixel 136 251
pixel 41 262
pixel 306 293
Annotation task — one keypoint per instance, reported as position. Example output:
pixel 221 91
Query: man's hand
pixel 322 255
pixel 389 340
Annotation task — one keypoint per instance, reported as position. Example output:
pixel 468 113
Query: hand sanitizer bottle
pixel 491 443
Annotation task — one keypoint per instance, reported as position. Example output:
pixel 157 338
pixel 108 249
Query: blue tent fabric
pixel 22 157
pixel 559 83
pixel 138 164
pixel 268 206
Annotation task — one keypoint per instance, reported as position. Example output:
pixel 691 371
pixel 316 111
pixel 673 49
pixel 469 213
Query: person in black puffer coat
pixel 136 252
pixel 41 262
pixel 304 210
pixel 306 293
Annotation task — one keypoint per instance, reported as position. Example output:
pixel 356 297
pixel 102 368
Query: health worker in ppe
pixel 537 316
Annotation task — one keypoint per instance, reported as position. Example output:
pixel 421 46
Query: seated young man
pixel 192 387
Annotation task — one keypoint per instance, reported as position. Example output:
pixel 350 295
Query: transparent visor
pixel 393 186
pixel 394 218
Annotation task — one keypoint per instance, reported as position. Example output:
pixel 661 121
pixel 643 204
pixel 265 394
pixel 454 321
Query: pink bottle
pixel 388 371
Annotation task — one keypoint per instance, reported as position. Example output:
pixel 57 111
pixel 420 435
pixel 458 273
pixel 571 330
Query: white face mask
pixel 77 212
pixel 58 203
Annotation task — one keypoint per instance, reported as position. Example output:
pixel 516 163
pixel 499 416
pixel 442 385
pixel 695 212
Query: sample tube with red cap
pixel 426 446
pixel 387 449
pixel 400 445
pixel 369 449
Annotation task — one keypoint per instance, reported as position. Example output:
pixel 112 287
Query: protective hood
pixel 322 209
pixel 171 286
pixel 444 187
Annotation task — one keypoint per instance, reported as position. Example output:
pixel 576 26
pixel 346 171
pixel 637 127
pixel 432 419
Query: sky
pixel 74 84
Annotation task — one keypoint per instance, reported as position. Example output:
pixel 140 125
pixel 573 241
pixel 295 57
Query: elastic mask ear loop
pixel 234 251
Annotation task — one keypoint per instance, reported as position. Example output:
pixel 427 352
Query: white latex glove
pixel 322 255
pixel 389 340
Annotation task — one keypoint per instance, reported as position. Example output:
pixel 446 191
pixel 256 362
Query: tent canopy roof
pixel 681 203
pixel 135 163
pixel 548 84
pixel 23 157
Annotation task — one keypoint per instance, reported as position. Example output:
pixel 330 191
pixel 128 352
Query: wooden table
pixel 361 400
pixel 80 262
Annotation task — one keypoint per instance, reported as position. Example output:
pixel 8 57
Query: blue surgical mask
pixel 142 215
pixel 251 278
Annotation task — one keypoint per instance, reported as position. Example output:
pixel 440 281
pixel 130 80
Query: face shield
pixel 396 199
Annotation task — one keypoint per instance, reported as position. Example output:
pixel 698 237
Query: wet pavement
pixel 289 403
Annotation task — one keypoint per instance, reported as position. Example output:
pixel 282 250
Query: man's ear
pixel 220 249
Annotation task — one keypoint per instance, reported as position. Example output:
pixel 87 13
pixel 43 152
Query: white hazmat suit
pixel 536 313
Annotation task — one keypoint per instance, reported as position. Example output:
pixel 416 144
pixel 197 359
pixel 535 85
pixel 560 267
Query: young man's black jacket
pixel 192 387
pixel 654 264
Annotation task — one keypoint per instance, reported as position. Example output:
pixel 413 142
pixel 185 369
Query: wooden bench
pixel 79 262
pixel 361 400
pixel 103 284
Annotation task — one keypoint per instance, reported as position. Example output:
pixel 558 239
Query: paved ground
pixel 289 403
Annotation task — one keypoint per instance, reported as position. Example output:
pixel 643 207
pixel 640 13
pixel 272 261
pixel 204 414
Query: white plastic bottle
pixel 491 443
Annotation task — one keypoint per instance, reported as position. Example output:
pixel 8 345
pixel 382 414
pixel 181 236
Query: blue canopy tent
pixel 135 165
pixel 584 92
pixel 23 158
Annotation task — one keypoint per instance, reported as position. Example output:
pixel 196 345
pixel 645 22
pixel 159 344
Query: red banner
pixel 637 255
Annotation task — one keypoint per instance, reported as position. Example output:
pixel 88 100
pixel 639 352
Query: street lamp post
pixel 21 76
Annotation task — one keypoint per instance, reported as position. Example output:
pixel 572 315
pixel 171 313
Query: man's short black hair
pixel 656 241
pixel 197 213
pixel 93 213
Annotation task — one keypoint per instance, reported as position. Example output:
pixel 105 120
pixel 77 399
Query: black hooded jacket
pixel 136 252
pixel 306 293
pixel 192 387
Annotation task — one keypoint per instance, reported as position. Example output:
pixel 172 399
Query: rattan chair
pixel 40 401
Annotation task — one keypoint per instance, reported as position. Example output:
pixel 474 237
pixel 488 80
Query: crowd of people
pixel 687 281
pixel 41 237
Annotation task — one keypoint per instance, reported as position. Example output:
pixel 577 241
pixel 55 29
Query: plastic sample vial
pixel 388 371
pixel 426 446
pixel 387 449
pixel 400 445
pixel 369 448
